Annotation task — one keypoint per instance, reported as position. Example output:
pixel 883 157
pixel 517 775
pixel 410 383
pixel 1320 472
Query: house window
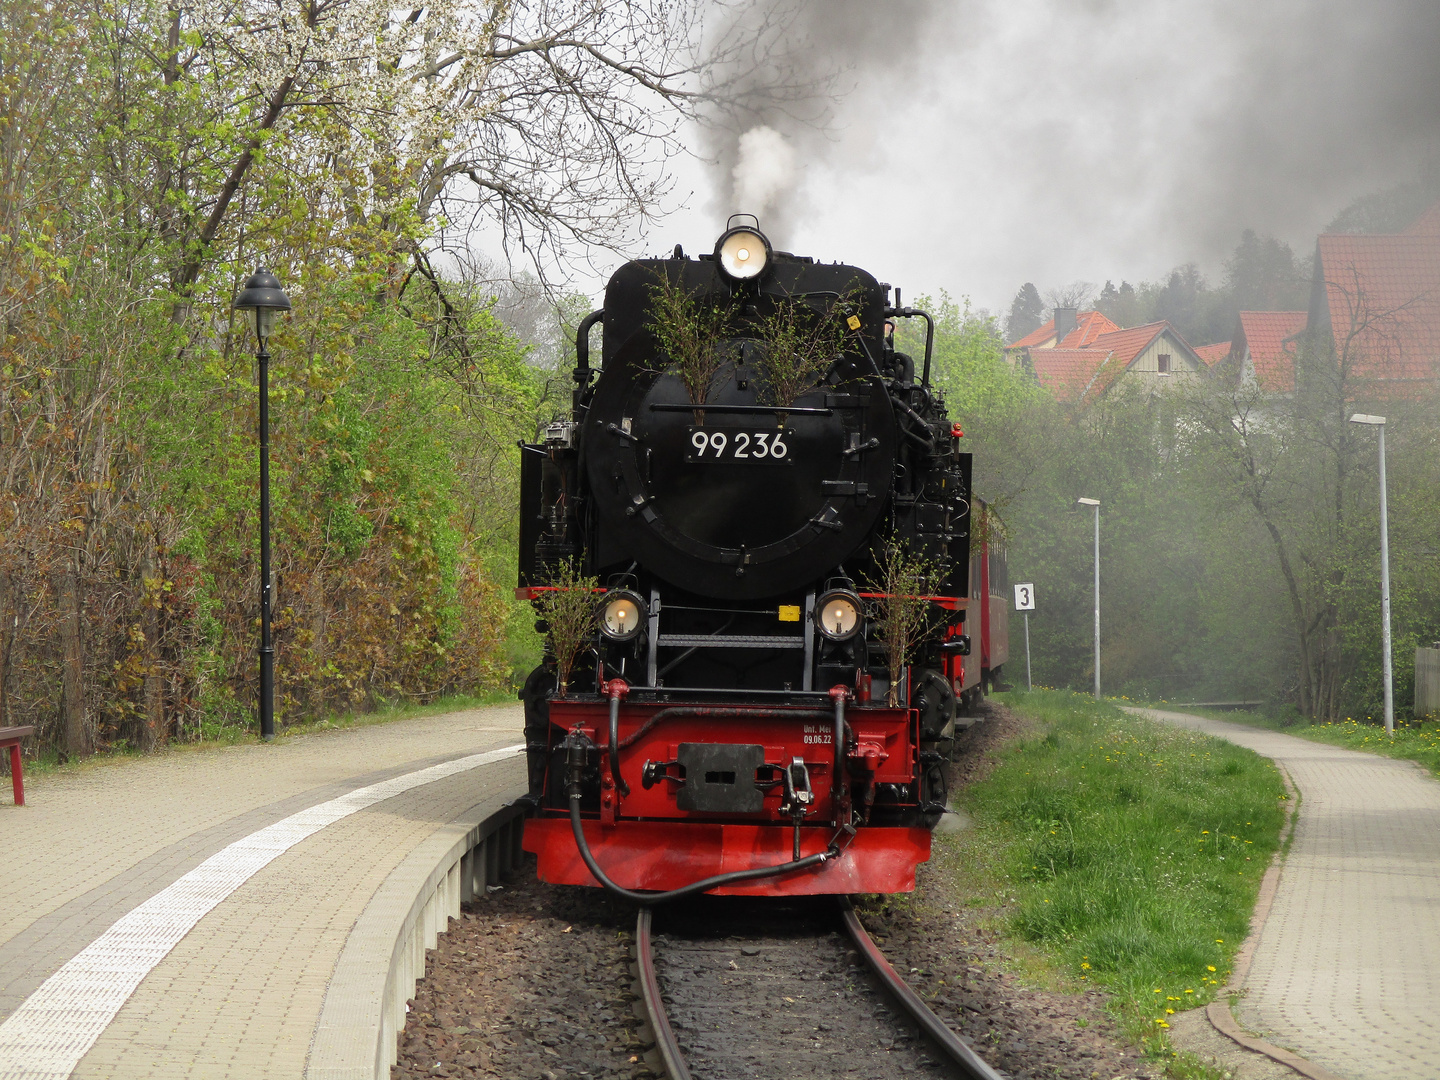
pixel 1164 363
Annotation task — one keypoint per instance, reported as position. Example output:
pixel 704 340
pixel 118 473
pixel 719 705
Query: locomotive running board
pixel 657 856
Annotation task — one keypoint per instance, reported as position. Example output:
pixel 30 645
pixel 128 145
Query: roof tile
pixel 1213 354
pixel 1088 326
pixel 1383 294
pixel 1269 337
pixel 1131 342
pixel 1066 372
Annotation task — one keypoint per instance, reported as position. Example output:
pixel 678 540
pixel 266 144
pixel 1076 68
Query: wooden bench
pixel 11 736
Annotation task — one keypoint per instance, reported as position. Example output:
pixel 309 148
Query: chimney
pixel 1064 322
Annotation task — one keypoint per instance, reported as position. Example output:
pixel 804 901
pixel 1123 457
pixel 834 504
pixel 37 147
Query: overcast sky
pixel 985 143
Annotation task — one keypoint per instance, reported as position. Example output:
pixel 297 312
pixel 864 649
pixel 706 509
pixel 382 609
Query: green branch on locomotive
pixel 690 333
pixel 800 344
pixel 567 611
pixel 905 581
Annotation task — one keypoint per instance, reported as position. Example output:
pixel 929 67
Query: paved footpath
pixel 1346 970
pixel 271 853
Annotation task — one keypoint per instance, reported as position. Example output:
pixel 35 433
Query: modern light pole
pixel 260 302
pixel 1378 422
pixel 1096 504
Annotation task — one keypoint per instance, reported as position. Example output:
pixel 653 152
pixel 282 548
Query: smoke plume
pixel 990 142
pixel 802 96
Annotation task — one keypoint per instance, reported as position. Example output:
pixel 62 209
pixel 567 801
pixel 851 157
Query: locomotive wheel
pixel 934 699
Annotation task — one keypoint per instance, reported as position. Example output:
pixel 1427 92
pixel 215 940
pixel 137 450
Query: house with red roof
pixel 1261 353
pixel 1068 329
pixel 1213 354
pixel 1086 354
pixel 1375 301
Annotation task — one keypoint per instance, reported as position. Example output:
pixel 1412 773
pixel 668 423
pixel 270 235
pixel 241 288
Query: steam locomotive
pixel 741 474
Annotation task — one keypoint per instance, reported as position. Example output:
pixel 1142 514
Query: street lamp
pixel 260 302
pixel 1096 504
pixel 1378 422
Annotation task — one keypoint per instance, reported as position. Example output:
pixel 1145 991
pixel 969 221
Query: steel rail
pixel 670 1055
pixel 934 1028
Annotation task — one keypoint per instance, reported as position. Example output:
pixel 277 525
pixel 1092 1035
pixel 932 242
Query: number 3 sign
pixel 1025 597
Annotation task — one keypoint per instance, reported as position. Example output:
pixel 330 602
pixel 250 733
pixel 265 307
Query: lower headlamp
pixel 622 615
pixel 838 615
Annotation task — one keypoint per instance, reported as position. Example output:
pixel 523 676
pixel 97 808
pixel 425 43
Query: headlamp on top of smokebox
pixel 622 615
pixel 838 615
pixel 743 253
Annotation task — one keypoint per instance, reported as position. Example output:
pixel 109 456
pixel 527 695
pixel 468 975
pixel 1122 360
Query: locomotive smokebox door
pixel 720 778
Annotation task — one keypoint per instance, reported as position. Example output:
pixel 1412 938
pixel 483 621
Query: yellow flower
pixel 1209 967
pixel 1169 1012
pixel 1086 967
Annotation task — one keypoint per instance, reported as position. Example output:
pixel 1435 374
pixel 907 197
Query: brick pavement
pixel 239 995
pixel 1348 961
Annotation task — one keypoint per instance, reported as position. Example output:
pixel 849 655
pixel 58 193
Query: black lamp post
pixel 260 302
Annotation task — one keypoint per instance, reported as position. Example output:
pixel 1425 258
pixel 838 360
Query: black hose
pixel 929 344
pixel 620 784
pixel 704 884
pixel 582 344
pixel 578 749
pixel 926 440
pixel 839 784
pixel 582 356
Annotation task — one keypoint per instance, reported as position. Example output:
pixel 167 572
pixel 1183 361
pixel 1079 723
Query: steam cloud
pixel 766 169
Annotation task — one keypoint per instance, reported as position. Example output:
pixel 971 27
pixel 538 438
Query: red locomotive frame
pixel 644 841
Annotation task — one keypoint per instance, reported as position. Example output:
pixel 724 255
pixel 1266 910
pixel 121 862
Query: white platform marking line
pixel 45 1038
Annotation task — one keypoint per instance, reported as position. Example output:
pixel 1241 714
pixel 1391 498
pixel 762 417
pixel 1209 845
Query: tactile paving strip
pixel 45 1038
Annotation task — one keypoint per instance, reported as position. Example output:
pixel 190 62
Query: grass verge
pixel 1412 741
pixel 1122 853
pixel 235 735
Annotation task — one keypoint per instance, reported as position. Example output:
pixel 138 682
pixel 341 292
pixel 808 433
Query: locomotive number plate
pixel 731 445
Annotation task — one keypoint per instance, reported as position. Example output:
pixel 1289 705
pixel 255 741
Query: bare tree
pixel 1294 460
pixel 1078 295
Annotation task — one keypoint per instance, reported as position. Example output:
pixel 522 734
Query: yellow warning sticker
pixel 853 322
pixel 789 612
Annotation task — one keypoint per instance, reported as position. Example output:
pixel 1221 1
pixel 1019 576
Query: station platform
pixel 1346 957
pixel 243 911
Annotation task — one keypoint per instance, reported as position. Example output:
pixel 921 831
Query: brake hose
pixel 578 748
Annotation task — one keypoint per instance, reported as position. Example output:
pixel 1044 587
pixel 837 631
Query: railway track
pixel 778 991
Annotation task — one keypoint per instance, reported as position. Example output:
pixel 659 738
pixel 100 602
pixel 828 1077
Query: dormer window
pixel 1164 363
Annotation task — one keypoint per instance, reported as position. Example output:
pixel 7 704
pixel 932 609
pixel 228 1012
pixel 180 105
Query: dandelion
pixel 1169 1012
pixel 1085 967
pixel 1209 967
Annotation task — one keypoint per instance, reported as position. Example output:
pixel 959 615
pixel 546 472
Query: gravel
pixel 532 983
pixel 535 982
